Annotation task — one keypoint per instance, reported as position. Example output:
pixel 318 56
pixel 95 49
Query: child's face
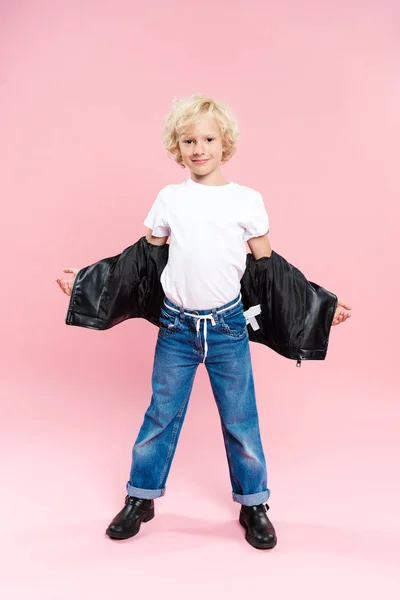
pixel 201 141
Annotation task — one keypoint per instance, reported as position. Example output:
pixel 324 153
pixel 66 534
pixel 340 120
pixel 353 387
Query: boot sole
pixel 124 536
pixel 254 543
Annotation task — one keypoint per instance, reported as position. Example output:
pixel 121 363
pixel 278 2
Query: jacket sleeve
pixel 120 287
pixel 108 291
pixel 296 314
pixel 319 312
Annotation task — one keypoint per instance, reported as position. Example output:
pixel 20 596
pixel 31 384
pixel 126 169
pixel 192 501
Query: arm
pixel 156 241
pixel 260 246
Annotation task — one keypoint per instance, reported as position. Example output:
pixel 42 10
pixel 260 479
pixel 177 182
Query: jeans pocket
pixel 169 323
pixel 234 325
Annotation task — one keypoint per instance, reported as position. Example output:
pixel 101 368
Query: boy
pixel 208 221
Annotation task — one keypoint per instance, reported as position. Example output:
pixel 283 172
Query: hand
pixel 341 313
pixel 67 284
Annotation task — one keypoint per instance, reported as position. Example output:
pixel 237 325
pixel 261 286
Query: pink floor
pixel 335 495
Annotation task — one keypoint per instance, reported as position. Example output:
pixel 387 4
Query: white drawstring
pixel 205 317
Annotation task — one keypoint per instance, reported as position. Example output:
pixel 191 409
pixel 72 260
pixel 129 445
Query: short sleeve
pixel 156 219
pixel 256 222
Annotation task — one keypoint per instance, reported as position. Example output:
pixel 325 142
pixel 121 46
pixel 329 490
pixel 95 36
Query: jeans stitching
pixel 230 462
pixel 232 332
pixel 175 431
pixel 176 327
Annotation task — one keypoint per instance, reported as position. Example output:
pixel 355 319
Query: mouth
pixel 200 162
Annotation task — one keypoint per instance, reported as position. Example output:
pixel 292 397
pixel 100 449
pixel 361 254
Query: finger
pixel 344 305
pixel 66 289
pixel 70 270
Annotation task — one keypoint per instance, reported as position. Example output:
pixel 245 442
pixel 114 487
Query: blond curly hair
pixel 187 110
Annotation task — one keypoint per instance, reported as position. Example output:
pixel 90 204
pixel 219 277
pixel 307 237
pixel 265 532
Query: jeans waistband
pixel 229 307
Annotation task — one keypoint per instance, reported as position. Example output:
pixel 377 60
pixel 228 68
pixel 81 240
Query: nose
pixel 198 150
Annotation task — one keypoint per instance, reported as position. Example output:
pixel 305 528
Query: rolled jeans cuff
pixel 142 493
pixel 251 499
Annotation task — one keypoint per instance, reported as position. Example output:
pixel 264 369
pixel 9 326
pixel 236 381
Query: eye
pixel 209 138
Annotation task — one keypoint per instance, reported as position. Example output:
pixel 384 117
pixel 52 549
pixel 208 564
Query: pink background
pixel 84 87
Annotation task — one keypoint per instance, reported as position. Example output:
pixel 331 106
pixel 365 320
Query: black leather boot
pixel 260 532
pixel 127 522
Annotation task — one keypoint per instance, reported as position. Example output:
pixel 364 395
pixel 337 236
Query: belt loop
pixel 214 314
pixel 181 314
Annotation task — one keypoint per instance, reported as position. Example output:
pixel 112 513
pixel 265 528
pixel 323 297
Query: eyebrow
pixel 191 135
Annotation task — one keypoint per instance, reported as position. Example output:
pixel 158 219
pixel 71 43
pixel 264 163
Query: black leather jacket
pixel 284 311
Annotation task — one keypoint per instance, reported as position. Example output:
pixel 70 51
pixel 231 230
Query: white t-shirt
pixel 208 226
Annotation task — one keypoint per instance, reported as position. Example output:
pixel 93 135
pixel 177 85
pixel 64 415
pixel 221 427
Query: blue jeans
pixel 219 338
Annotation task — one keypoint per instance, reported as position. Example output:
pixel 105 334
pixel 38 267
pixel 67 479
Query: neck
pixel 213 178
